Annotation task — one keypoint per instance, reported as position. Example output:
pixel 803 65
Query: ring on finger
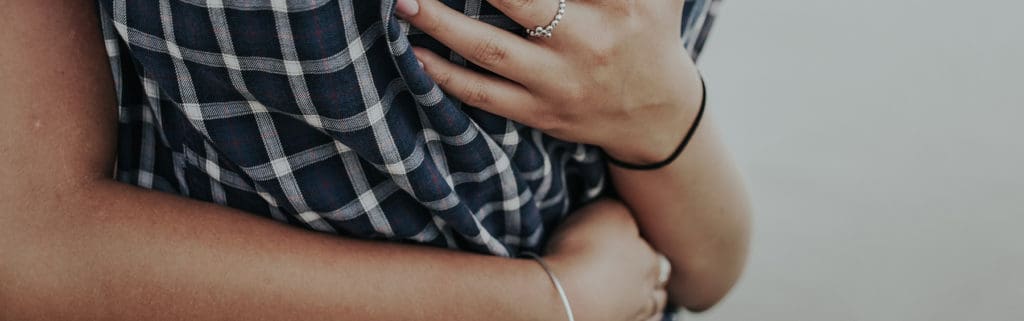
pixel 546 31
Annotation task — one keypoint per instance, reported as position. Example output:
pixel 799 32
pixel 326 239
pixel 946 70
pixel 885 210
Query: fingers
pixel 493 94
pixel 489 47
pixel 660 299
pixel 664 271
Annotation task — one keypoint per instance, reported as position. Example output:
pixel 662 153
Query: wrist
pixel 661 138
pixel 656 135
pixel 525 293
pixel 574 280
pixel 633 150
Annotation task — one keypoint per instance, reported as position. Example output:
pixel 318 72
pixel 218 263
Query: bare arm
pixel 114 252
pixel 694 211
pixel 76 245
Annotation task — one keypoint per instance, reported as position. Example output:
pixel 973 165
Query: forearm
pixel 695 212
pixel 116 252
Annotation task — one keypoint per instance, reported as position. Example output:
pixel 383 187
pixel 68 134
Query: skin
pixel 626 91
pixel 76 245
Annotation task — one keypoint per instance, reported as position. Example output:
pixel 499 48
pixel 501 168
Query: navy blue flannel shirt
pixel 316 113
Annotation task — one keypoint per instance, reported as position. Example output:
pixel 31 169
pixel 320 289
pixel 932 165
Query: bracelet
pixel 679 149
pixel 554 279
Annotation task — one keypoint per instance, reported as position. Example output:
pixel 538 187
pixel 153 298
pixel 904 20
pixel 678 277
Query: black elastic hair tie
pixel 682 146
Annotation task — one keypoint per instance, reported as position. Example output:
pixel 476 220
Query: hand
pixel 610 273
pixel 614 74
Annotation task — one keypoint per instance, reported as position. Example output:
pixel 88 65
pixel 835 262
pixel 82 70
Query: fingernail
pixel 416 53
pixel 407 8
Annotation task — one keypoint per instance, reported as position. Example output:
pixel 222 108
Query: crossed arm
pixel 77 245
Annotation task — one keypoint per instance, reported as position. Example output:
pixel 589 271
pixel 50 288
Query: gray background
pixel 882 145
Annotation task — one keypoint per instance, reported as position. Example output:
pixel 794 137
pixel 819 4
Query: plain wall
pixel 883 144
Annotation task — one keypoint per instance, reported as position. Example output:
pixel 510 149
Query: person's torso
pixel 315 113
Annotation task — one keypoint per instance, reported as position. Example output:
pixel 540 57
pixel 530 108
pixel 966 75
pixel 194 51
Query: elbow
pixel 704 279
pixel 700 302
pixel 700 289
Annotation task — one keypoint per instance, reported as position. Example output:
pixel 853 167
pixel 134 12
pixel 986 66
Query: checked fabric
pixel 316 113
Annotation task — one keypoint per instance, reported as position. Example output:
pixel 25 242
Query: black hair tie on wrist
pixel 680 148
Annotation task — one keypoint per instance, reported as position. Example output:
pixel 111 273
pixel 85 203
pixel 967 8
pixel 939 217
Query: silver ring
pixel 546 31
pixel 664 270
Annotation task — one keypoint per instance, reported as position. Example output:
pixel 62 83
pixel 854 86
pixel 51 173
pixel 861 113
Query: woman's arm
pixel 108 251
pixel 694 211
pixel 76 245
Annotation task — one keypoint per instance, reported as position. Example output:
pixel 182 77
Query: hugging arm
pixel 76 245
pixel 695 212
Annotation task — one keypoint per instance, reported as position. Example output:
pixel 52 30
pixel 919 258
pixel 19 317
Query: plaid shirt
pixel 316 113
